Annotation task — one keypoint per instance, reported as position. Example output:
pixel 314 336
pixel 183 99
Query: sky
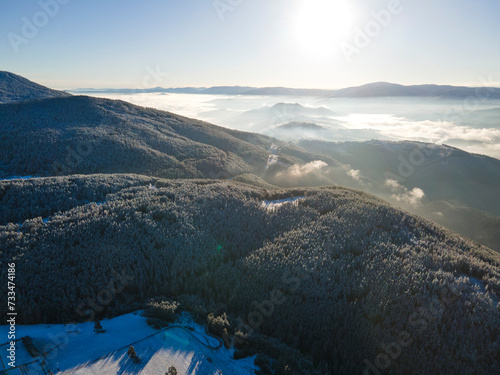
pixel 67 44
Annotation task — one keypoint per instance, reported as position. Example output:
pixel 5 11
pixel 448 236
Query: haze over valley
pixel 470 123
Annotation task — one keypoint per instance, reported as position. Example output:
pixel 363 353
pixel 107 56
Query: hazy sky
pixel 294 43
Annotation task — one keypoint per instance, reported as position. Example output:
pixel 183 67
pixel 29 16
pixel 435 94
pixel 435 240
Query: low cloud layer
pixel 355 174
pixel 396 122
pixel 480 140
pixel 310 174
pixel 402 194
pixel 298 170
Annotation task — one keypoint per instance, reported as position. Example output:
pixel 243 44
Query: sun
pixel 322 24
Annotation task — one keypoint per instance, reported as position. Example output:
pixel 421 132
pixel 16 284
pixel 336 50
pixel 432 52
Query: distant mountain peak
pixel 289 105
pixel 301 125
pixel 381 84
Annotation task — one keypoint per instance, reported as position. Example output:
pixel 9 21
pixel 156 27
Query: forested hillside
pixel 137 208
pixel 337 274
pixel 78 134
pixel 65 135
pixel 444 184
pixel 442 172
pixel 14 88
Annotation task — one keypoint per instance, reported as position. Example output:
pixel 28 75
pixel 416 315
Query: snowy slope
pixel 271 205
pixel 76 349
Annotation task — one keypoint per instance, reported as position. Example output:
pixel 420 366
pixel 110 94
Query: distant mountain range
pixel 297 130
pixel 268 117
pixel 216 90
pixel 384 89
pixel 378 89
pixel 281 113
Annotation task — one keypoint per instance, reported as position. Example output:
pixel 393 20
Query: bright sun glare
pixel 321 24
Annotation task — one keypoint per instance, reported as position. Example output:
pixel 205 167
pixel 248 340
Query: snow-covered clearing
pixel 45 220
pixel 77 349
pixel 152 187
pixel 274 157
pixel 274 149
pixel 272 205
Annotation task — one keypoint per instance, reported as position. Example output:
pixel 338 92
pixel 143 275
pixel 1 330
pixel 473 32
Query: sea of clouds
pixel 431 120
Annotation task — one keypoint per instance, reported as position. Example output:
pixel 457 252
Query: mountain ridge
pixel 82 134
pixel 374 89
pixel 14 88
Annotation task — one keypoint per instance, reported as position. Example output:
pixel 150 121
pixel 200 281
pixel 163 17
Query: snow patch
pixel 273 159
pixel 272 205
pixel 45 220
pixel 274 156
pixel 274 149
